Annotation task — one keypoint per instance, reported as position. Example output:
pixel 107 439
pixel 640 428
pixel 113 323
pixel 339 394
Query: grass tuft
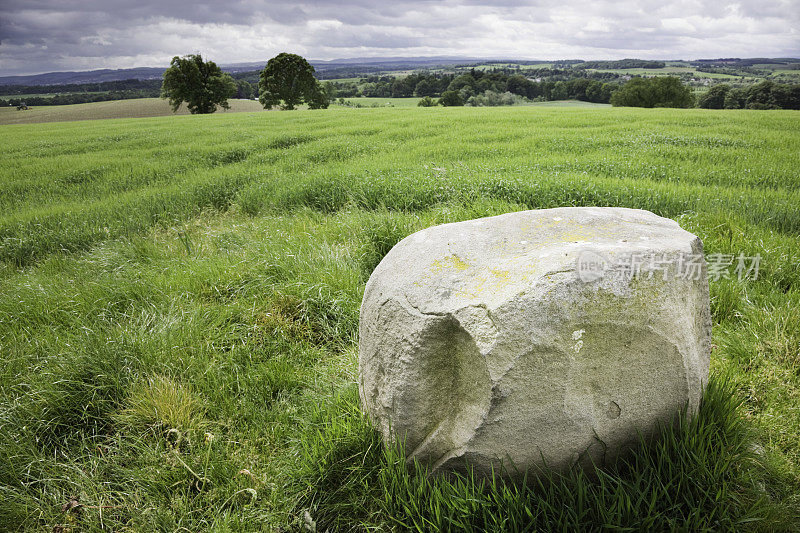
pixel 160 404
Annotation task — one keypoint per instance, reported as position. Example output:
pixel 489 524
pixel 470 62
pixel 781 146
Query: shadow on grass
pixel 704 473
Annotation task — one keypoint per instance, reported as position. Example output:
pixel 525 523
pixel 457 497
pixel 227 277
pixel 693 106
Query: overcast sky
pixel 52 35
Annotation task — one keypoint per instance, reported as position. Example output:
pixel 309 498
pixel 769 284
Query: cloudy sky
pixel 51 35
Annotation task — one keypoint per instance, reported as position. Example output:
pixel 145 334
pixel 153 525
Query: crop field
pixel 668 71
pixel 5 98
pixel 138 107
pixel 567 103
pixel 383 102
pixel 179 303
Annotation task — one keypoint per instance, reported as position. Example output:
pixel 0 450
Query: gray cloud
pixel 41 35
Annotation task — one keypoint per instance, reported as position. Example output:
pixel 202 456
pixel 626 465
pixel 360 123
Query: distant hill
pixel 92 76
pixel 150 73
pixel 361 66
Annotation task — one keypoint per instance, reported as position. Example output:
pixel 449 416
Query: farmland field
pixel 137 107
pixel 387 102
pixel 567 103
pixel 667 71
pixel 179 303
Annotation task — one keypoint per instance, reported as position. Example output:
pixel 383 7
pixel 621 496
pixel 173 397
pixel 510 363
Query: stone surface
pixel 514 339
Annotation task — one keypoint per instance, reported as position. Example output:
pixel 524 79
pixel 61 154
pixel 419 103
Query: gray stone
pixel 519 339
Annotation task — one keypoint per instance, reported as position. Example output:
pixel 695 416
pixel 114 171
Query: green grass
pixel 179 305
pixel 44 95
pixel 567 103
pixel 383 102
pixel 668 71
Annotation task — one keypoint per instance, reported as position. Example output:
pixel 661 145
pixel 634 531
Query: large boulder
pixel 552 336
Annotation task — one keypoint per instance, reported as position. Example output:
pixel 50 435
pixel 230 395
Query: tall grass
pixel 179 306
pixel 67 189
pixel 699 474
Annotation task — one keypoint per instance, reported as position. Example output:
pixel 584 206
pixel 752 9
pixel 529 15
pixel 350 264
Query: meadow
pixel 133 108
pixel 669 70
pixel 382 102
pixel 179 304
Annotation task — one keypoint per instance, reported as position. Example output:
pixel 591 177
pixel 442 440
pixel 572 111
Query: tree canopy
pixel 201 84
pixel 714 98
pixel 661 91
pixel 451 98
pixel 288 81
pixel 762 95
pixel 540 84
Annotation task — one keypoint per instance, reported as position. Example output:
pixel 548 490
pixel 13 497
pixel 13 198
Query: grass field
pixel 567 103
pixel 133 108
pixel 383 102
pixel 412 102
pixel 5 98
pixel 668 71
pixel 179 304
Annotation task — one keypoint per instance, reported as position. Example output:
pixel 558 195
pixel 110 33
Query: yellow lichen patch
pixel 571 231
pixel 472 287
pixel 501 278
pixel 450 262
pixel 493 281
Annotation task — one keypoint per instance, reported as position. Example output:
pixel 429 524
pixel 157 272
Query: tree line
pixel 638 92
pixel 97 87
pixel 658 91
pixel 432 84
pixel 288 80
pixel 80 93
pixel 763 95
pixel 81 98
pixel 621 63
pixel 475 83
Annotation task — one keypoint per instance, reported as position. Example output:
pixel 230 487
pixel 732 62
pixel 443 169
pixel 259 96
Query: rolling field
pixel 133 108
pixel 567 103
pixel 179 304
pixel 412 102
pixel 668 71
pixel 388 102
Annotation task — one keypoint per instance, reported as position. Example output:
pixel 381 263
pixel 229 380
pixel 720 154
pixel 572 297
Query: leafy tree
pixel 736 98
pixel 462 81
pixel 425 88
pixel 493 98
pixel 637 92
pixel 426 102
pixel 670 92
pixel 560 91
pixel 715 97
pixel 319 98
pixel 608 90
pixel 759 95
pixel 662 91
pixel 288 81
pixel 451 98
pixel 201 84
pixel 519 84
pixel 401 87
pixel 786 96
pixel 244 89
pixel 594 91
pixel 576 88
